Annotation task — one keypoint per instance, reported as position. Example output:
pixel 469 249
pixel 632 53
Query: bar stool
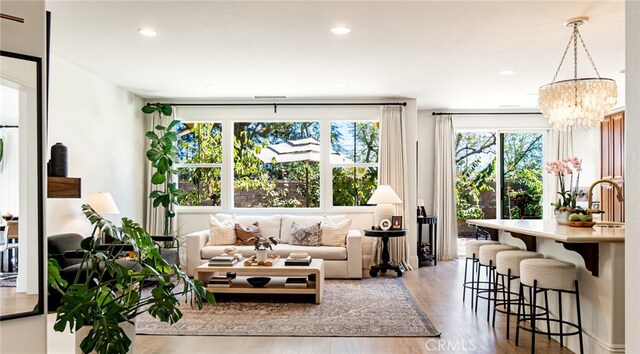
pixel 472 253
pixel 488 259
pixel 508 265
pixel 549 274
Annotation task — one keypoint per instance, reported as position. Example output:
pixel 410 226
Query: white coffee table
pixel 278 274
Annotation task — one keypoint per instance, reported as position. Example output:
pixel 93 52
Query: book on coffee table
pixel 297 261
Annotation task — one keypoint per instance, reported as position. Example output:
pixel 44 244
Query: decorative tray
pixel 581 223
pixel 253 262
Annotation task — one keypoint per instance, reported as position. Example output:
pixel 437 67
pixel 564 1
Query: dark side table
pixel 427 251
pixel 386 262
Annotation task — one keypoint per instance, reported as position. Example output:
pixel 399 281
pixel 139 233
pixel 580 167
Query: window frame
pixel 546 188
pixel 227 166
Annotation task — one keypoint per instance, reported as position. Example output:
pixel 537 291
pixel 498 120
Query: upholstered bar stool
pixel 548 274
pixel 508 265
pixel 472 253
pixel 488 259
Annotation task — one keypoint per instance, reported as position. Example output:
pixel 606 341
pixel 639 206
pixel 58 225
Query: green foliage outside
pixel 476 172
pixel 280 184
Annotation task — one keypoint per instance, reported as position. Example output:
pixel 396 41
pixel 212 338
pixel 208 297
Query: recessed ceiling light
pixel 342 85
pixel 147 32
pixel 341 30
pixel 507 72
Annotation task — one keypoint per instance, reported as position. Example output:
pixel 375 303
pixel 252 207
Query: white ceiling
pixel 445 54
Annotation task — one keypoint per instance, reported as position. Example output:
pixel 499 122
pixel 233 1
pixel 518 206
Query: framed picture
pixel 385 224
pixel 595 205
pixel 396 223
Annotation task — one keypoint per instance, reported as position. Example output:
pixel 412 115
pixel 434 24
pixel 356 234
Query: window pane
pixel 355 141
pixel 522 177
pixel 276 164
pixel 353 186
pixel 199 142
pixel 201 186
pixel 475 178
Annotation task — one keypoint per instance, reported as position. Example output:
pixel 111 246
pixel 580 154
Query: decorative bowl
pixel 581 223
pixel 258 282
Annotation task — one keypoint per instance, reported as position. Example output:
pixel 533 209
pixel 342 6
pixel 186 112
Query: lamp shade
pixel 384 195
pixel 103 203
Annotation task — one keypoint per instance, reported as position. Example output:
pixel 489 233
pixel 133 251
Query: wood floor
pixel 439 293
pixel 12 302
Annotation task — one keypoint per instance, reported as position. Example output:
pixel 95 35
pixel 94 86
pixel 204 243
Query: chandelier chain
pixel 575 64
pixel 562 59
pixel 593 64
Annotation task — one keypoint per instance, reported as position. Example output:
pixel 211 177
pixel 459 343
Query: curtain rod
pixel 481 113
pixel 8 126
pixel 276 104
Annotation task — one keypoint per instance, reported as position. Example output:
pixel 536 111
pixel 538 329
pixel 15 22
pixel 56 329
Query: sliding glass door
pixel 498 176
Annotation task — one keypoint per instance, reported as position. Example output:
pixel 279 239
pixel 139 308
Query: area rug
pixel 8 282
pixel 371 307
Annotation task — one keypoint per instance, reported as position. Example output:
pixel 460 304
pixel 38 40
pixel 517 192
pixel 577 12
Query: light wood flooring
pixel 12 302
pixel 437 290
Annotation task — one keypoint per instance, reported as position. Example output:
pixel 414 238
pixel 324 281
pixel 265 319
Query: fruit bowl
pixel 258 282
pixel 581 223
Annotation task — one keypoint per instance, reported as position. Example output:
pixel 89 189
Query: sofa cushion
pixel 282 250
pixel 244 234
pixel 222 232
pixel 305 235
pixel 335 233
pixel 303 220
pixel 269 225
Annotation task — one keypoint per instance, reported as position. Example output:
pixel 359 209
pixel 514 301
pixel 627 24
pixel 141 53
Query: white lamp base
pixel 383 211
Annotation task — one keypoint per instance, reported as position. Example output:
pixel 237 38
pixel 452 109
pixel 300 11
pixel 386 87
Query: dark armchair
pixel 64 249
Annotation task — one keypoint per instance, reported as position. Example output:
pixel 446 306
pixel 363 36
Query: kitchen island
pixel 598 253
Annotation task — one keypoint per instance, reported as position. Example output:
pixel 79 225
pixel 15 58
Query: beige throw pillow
pixel 335 233
pixel 305 235
pixel 222 233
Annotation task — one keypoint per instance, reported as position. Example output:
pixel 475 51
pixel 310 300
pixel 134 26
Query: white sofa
pixel 340 262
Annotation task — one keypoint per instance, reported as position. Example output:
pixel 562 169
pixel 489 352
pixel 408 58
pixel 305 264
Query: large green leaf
pixel 173 124
pixel 166 109
pixel 148 109
pixel 154 154
pixel 158 178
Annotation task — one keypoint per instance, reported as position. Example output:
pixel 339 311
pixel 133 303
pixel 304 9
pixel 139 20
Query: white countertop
pixel 551 230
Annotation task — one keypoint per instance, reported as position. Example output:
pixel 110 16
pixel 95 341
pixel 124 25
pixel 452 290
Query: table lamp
pixel 103 203
pixel 384 197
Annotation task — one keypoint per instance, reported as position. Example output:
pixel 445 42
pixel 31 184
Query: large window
pixel 200 163
pixel 276 164
pixel 498 175
pixel 354 161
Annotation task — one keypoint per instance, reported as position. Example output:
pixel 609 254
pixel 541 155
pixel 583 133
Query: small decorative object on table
pixel 580 220
pixel 385 224
pixel 567 203
pixel 254 262
pixel 298 259
pixel 396 223
pixel 261 244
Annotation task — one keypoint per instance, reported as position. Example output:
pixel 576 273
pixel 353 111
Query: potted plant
pixel 109 292
pixel 163 154
pixel 567 203
pixel 261 244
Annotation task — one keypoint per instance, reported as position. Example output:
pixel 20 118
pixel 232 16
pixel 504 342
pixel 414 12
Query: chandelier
pixel 577 102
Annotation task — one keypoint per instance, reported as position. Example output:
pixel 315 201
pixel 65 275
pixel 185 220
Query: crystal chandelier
pixel 578 103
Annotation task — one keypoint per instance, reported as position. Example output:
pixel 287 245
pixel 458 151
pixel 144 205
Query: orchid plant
pixel 566 170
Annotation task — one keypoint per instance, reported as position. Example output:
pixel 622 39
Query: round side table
pixel 386 262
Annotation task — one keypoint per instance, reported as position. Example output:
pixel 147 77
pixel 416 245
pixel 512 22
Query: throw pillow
pixel 335 233
pixel 305 236
pixel 244 234
pixel 222 233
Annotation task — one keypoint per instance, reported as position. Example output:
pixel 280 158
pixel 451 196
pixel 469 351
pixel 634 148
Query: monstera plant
pixel 109 290
pixel 163 154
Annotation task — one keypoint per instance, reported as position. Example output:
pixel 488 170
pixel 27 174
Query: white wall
pixel 103 129
pixel 190 220
pixel 632 176
pixel 26 335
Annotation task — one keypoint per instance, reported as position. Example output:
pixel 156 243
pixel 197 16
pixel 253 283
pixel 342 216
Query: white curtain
pixel 10 171
pixel 392 158
pixel 155 216
pixel 561 147
pixel 444 189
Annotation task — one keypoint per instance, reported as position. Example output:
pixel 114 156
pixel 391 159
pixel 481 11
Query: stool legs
pixel 464 282
pixel 560 317
pixel 579 317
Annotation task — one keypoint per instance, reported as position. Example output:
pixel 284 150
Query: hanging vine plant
pixel 163 154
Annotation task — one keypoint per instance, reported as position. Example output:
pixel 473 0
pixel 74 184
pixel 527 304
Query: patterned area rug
pixel 8 281
pixel 371 307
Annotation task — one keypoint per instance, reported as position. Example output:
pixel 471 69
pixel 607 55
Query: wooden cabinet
pixel 63 187
pixel 612 158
